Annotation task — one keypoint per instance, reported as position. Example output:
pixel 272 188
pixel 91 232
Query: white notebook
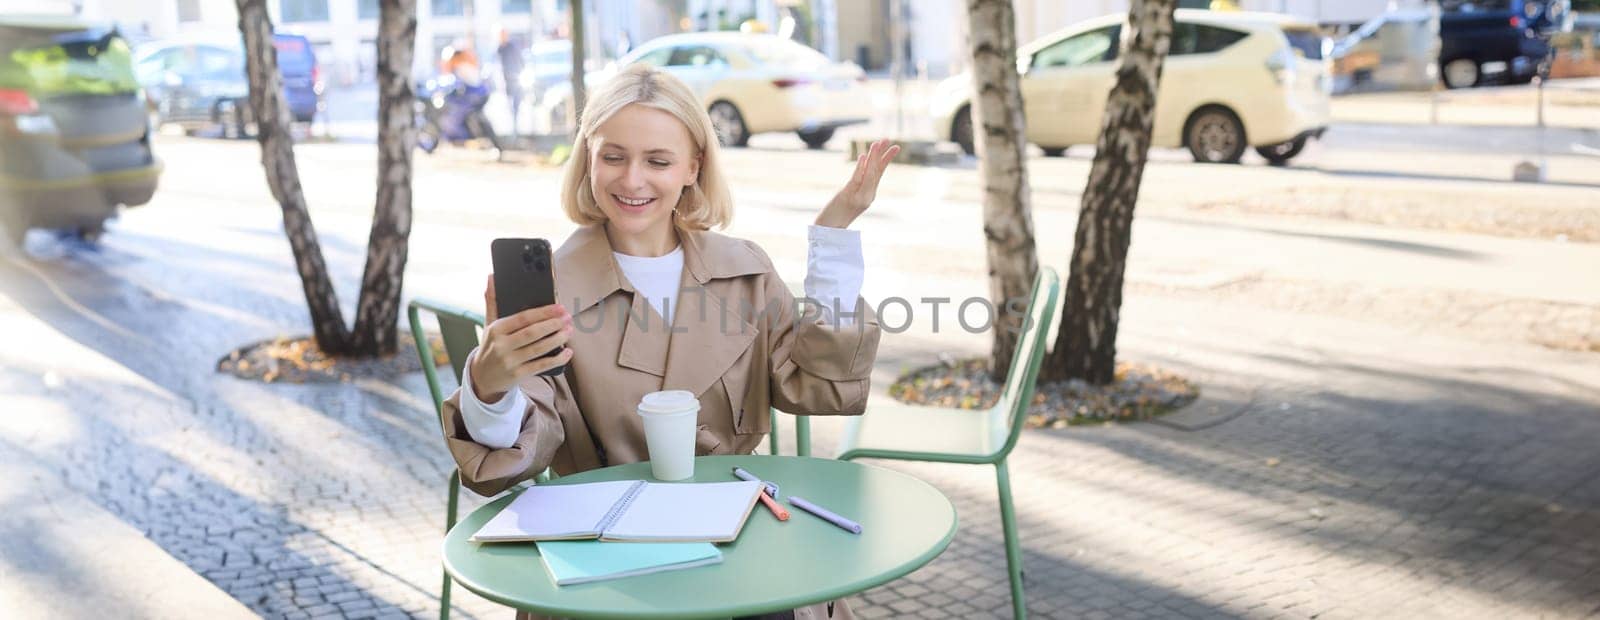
pixel 627 510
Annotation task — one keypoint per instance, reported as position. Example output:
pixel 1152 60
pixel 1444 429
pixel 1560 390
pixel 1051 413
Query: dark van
pixel 302 81
pixel 1482 40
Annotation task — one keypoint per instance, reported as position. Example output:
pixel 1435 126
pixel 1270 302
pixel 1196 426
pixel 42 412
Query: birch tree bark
pixel 378 308
pixel 1086 346
pixel 1000 141
pixel 378 305
pixel 283 178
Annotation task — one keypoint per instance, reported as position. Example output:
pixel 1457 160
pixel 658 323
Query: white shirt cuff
pixel 495 425
pixel 834 271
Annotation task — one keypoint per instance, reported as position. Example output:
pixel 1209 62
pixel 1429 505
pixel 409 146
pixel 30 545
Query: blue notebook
pixel 583 561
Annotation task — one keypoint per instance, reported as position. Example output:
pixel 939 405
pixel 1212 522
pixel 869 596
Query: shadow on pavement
pixel 1374 242
pixel 1454 474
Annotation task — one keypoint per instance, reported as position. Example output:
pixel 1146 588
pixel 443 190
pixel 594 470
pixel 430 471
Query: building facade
pixel 932 32
pixel 344 32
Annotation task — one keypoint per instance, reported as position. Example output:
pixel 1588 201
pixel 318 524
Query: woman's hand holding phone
pixel 512 346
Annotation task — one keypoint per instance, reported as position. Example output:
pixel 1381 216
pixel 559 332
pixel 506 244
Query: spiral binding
pixel 620 507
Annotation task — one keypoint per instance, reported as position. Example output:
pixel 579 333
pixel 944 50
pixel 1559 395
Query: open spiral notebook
pixel 626 510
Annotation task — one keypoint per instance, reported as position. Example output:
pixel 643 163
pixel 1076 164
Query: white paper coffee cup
pixel 669 427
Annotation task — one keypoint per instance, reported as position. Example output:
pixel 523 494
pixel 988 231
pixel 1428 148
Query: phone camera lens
pixel 539 265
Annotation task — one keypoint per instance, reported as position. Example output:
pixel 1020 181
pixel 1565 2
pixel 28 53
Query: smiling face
pixel 641 159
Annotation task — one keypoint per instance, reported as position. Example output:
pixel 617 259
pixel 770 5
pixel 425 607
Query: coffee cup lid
pixel 668 401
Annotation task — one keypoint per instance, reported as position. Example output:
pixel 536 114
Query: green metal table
pixel 773 566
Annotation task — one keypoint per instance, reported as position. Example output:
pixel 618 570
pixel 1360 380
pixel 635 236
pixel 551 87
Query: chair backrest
pixel 459 329
pixel 1028 357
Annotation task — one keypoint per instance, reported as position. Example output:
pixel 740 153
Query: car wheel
pixel 817 139
pixel 1461 73
pixel 1280 153
pixel 1054 151
pixel 729 124
pixel 1214 135
pixel 961 130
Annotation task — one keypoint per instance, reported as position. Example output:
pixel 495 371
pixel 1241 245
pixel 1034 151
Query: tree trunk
pixel 999 138
pixel 283 178
pixel 1086 346
pixel 580 93
pixel 378 310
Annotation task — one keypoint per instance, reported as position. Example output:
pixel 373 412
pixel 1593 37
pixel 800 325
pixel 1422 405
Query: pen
pixel 740 473
pixel 768 494
pixel 777 511
pixel 825 514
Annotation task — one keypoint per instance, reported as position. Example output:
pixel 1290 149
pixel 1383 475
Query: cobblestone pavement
pixel 1334 467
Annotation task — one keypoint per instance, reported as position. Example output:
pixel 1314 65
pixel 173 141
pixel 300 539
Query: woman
pixel 650 299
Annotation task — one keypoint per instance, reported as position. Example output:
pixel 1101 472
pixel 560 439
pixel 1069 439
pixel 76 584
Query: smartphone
pixel 524 278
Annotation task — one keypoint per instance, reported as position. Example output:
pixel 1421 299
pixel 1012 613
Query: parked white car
pixel 1232 80
pixel 750 84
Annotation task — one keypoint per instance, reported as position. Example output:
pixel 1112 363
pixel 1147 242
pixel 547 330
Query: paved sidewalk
pixel 1328 471
pixel 1380 459
pixel 63 552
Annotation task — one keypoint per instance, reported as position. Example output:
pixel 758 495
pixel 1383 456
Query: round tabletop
pixel 773 566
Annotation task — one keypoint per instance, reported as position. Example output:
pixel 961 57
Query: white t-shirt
pixel 655 277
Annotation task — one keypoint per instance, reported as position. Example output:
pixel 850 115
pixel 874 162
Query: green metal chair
pixel 459 330
pixel 802 434
pixel 977 437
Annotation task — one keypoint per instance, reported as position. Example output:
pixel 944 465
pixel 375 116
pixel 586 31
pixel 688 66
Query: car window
pixel 654 58
pixel 152 66
pixel 214 62
pixel 1093 46
pixel 1190 38
pixel 694 56
pixel 180 60
pixel 81 62
pixel 785 54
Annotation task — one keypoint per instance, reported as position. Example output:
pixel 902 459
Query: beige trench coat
pixel 736 341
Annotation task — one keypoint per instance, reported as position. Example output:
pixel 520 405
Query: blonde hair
pixel 704 204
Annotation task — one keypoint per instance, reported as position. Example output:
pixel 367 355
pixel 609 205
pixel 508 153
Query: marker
pixel 826 515
pixel 740 473
pixel 777 511
pixel 768 494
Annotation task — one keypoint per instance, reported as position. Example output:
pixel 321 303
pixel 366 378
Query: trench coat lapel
pixel 709 331
pixel 589 279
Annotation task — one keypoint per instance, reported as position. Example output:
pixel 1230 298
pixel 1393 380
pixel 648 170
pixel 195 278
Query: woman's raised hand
pixel 512 346
pixel 858 193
